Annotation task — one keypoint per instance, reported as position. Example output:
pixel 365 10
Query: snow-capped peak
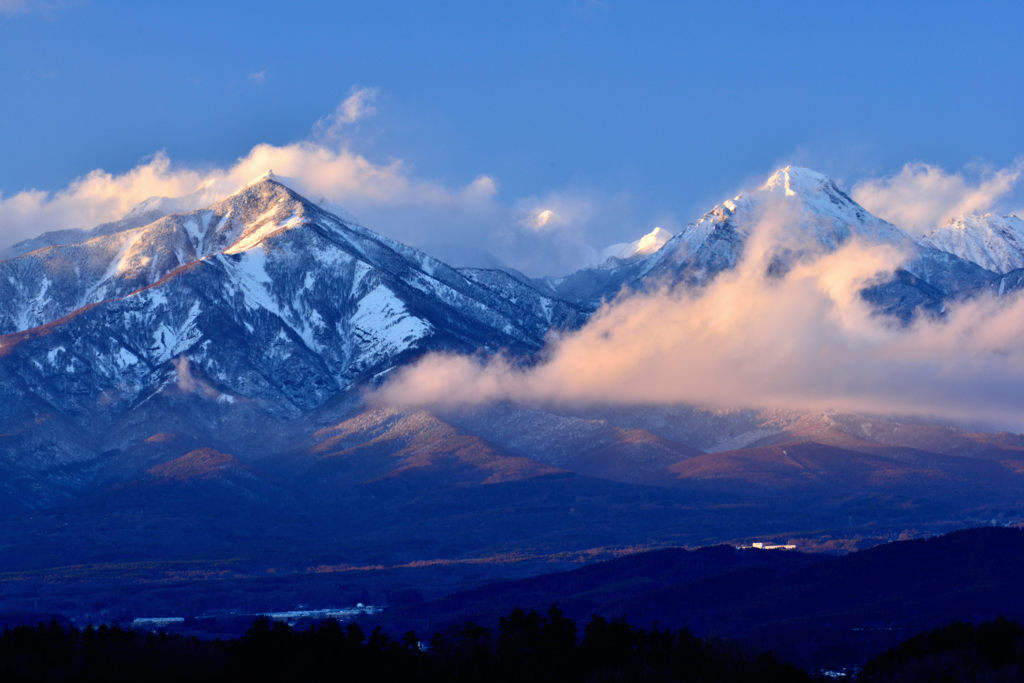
pixel 829 213
pixel 992 241
pixel 796 180
pixel 652 241
pixel 259 210
pixel 648 244
pixel 265 176
pixel 817 216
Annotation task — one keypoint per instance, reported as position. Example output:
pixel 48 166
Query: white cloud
pixel 806 341
pixel 335 174
pixel 326 169
pixel 922 197
pixel 358 105
pixel 258 77
pixel 94 198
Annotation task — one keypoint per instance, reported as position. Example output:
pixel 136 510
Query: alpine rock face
pixel 648 244
pixel 262 297
pixel 807 214
pixel 620 265
pixel 812 215
pixel 993 242
pixel 144 213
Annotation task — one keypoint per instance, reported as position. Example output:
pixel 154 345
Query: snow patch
pixel 262 228
pixel 383 325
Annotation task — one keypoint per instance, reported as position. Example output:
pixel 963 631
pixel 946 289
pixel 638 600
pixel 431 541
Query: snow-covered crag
pixel 797 212
pixel 262 297
pixel 994 242
pixel 145 213
pixel 621 265
pixel 646 245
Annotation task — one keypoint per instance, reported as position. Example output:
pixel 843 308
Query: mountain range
pixel 187 386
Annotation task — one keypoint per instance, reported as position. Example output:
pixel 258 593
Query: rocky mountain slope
pixel 797 213
pixel 994 242
pixel 262 297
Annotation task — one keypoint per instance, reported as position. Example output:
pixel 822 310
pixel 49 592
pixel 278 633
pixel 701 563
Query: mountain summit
pixel 811 210
pixel 645 246
pixel 263 298
pixel 808 214
pixel 994 242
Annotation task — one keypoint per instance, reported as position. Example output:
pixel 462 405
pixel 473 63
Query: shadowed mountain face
pixel 994 242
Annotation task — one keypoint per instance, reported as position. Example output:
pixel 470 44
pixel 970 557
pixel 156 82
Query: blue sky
pixel 629 114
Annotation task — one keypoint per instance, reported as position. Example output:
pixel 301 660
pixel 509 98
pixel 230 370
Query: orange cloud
pixel 804 341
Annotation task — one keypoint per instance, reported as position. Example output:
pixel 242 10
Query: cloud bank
pixel 806 341
pixel 922 197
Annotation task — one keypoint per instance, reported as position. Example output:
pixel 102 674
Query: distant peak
pixel 268 186
pixel 646 245
pixel 993 241
pixel 964 221
pixel 652 241
pixel 267 176
pixel 796 180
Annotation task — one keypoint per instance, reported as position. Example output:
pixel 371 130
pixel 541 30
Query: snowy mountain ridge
pixel 808 214
pixel 994 242
pixel 266 297
pixel 645 246
pixel 815 213
pixel 261 297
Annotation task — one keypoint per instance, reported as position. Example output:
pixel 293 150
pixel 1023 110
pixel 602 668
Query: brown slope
pixel 202 463
pixel 419 441
pixel 797 465
pixel 865 432
pixel 632 456
pixel 594 447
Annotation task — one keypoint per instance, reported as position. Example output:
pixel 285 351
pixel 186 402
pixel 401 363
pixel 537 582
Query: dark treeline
pixel 993 651
pixel 526 646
